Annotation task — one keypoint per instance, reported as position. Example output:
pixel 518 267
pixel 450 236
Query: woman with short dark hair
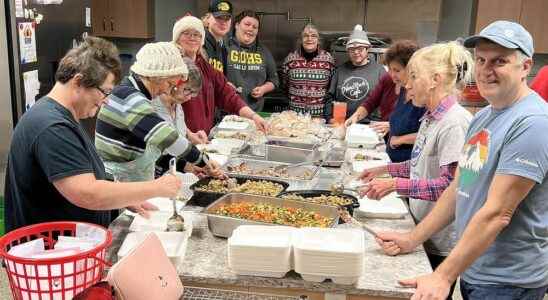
pixel 250 65
pixel 54 172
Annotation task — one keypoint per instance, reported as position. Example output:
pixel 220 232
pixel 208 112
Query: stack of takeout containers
pixel 337 254
pixel 257 250
pixel 315 253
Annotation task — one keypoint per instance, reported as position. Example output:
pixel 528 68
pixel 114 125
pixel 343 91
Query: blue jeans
pixel 499 292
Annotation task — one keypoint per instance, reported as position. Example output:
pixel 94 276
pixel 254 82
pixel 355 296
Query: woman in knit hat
pixel 216 92
pixel 354 79
pixel 306 73
pixel 400 118
pixel 130 135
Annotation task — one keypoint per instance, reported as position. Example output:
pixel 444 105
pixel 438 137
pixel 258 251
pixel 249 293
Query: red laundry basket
pixel 52 278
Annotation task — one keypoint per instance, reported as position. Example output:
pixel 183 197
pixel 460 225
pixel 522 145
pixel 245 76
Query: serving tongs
pixel 347 218
pixel 339 188
pixel 285 167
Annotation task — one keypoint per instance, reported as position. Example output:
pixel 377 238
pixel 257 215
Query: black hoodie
pixel 216 52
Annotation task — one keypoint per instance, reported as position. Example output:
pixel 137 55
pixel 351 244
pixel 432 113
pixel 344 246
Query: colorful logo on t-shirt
pixel 474 156
pixel 355 88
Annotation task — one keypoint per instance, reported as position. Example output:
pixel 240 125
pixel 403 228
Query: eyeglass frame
pixel 191 35
pixel 105 93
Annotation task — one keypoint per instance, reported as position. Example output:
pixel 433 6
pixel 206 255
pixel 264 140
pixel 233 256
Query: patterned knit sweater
pixel 306 82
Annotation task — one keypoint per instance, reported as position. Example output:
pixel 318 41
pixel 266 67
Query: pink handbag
pixel 145 273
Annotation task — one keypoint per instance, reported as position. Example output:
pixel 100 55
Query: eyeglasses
pixel 192 35
pixel 174 87
pixel 310 36
pixel 357 49
pixel 105 93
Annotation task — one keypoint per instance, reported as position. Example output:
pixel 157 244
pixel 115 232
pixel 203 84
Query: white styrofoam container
pixel 329 240
pixel 360 135
pixel 174 243
pixel 257 250
pixel 221 159
pixel 227 144
pixel 156 222
pixel 388 207
pixel 262 236
pixel 321 253
pixel 232 125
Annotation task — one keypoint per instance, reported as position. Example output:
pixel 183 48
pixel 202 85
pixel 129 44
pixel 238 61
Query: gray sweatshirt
pixel 352 84
pixel 248 67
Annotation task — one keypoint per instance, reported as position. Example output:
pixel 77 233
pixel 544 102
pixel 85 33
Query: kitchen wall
pixel 456 19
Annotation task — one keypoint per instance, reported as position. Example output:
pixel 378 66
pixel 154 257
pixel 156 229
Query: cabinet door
pixel 100 17
pixel 532 18
pixel 492 10
pixel 132 18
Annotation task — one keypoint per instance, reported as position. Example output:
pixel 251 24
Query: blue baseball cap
pixel 508 34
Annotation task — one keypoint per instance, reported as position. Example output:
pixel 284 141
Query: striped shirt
pixel 127 123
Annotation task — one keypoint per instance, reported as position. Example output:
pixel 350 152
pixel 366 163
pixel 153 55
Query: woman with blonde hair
pixel 435 74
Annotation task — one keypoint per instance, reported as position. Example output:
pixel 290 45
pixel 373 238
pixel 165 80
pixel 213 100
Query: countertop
pixel 206 262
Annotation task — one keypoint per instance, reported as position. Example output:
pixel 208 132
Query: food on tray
pixel 331 200
pixel 267 213
pixel 292 124
pixel 244 169
pixel 361 156
pixel 231 135
pixel 255 187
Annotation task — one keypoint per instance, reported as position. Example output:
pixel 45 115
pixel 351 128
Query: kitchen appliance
pixel 50 29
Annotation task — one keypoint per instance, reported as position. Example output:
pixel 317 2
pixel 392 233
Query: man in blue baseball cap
pixel 499 197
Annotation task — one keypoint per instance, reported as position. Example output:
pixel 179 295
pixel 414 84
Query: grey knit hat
pixel 358 38
pixel 159 60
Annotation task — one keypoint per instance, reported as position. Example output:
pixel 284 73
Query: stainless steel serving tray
pixel 257 164
pixel 223 226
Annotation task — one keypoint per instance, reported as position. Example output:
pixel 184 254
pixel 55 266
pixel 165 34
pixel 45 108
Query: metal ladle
pixel 176 222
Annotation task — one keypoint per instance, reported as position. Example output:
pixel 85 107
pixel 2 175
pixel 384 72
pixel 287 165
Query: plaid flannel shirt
pixel 425 189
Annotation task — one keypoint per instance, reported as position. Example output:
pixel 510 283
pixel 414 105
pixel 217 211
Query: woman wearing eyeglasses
pixel 130 135
pixel 306 73
pixel 216 93
pixel 168 107
pixel 356 78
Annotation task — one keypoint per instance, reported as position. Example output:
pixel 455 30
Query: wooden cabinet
pixel 533 13
pixel 529 13
pixel 123 18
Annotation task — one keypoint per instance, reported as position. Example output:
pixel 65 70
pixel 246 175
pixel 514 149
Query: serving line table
pixel 205 263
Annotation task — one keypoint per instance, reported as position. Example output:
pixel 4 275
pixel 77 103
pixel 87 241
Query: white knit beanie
pixel 358 38
pixel 159 60
pixel 188 22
